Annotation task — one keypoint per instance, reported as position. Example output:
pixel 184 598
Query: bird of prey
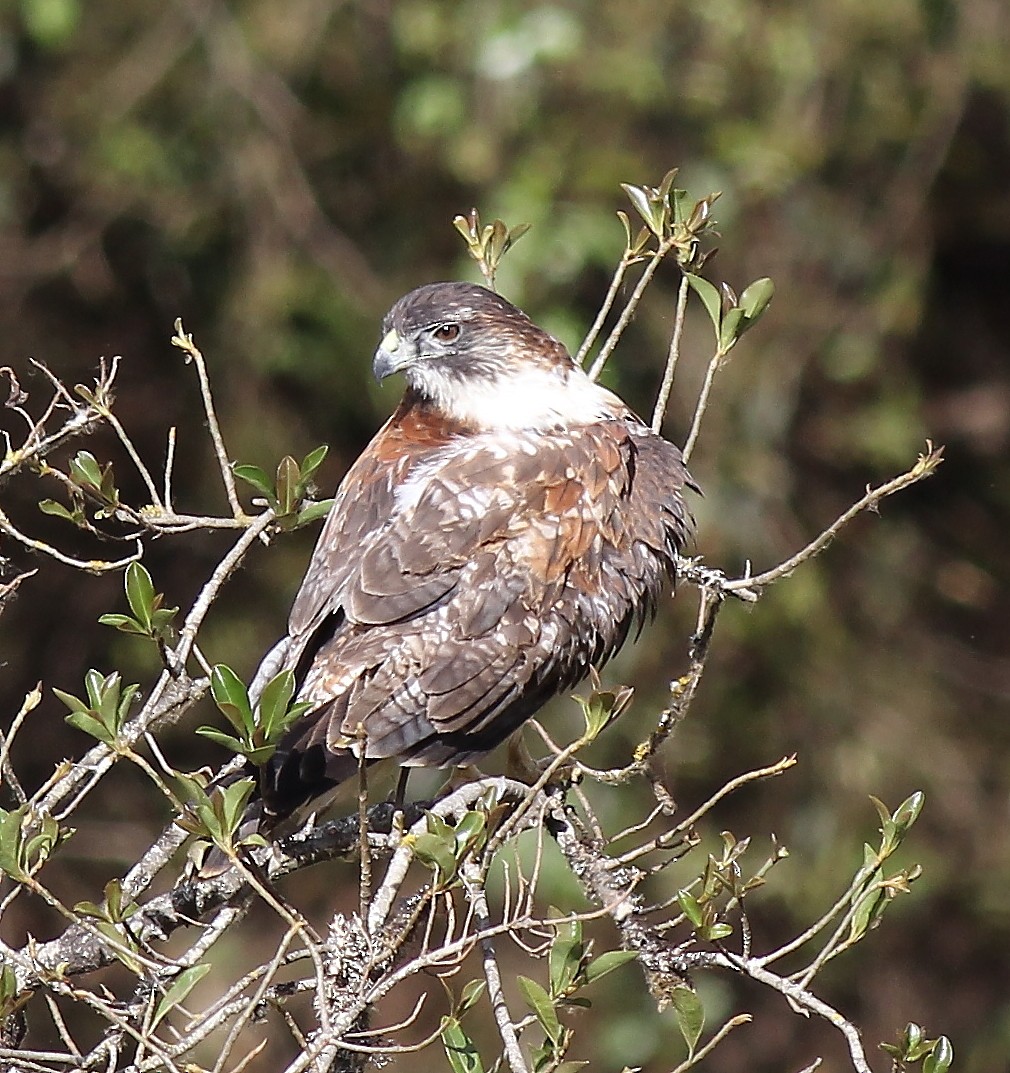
pixel 498 538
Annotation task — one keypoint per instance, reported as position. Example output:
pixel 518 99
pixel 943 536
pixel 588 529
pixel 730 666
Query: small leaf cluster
pixel 149 618
pixel 570 967
pixel 217 815
pixel 27 839
pixel 258 728
pixel 88 479
pixel 291 484
pixel 732 316
pixel 103 714
pixel 875 891
pixel 444 847
pixel 936 1055
pixel 667 218
pixel 602 707
pixel 487 245
pixel 110 917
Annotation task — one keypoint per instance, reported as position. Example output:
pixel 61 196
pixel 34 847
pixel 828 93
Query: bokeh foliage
pixel 277 174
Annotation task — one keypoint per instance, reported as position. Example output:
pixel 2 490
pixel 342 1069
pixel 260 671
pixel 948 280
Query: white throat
pixel 534 398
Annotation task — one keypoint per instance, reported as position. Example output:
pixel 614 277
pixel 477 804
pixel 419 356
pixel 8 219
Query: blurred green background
pixel 278 174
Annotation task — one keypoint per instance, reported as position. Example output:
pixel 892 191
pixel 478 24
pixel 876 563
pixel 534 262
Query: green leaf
pixel 273 704
pixel 232 698
pixel 112 910
pixel 908 811
pixel 731 328
pixel 470 996
pixel 12 842
pixel 434 851
pixel 311 462
pixel 140 593
pixel 119 940
pixel 124 623
pixel 755 299
pixel 257 478
pixel 75 704
pixel 221 738
pixel 543 1007
pixel 8 986
pixel 690 1015
pixel 287 485
pixel 313 511
pixel 607 962
pixel 90 725
pixel 179 990
pixel 57 510
pixel 868 914
pixel 709 296
pixel 941 1058
pixel 469 832
pixel 690 907
pixel 233 800
pixel 567 954
pixel 646 207
pixel 86 471
pixel 459 1048
pixel 714 932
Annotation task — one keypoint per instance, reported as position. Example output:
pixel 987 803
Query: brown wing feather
pixel 465 581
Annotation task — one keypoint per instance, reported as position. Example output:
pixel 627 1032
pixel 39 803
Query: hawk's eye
pixel 445 333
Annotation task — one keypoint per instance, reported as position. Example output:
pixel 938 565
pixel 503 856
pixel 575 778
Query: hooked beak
pixel 393 356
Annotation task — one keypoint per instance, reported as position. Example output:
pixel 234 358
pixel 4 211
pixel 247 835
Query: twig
pixel 473 881
pixel 364 850
pixel 629 310
pixel 29 704
pixel 615 285
pixel 710 1046
pixel 924 467
pixel 672 357
pixel 169 466
pixel 702 404
pixel 135 458
pixel 184 341
pixel 92 566
pixel 803 998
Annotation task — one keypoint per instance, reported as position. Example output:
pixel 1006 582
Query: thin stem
pixel 492 974
pixel 184 341
pixel 628 312
pixel 803 999
pixel 608 302
pixel 135 458
pixel 701 1055
pixel 672 357
pixel 702 404
pixel 29 704
pixel 364 849
pixel 925 466
pixel 771 771
pixel 92 566
pixel 169 466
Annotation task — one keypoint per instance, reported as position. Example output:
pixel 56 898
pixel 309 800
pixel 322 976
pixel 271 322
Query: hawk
pixel 501 535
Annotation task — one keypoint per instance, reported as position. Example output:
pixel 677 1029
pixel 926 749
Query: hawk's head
pixel 482 362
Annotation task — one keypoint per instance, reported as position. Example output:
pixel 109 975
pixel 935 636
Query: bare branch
pixel 925 466
pixel 184 341
pixel 672 358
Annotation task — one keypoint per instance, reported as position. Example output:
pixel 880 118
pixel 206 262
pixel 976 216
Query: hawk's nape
pixel 503 533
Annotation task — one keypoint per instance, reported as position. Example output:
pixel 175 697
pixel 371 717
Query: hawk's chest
pixel 542 500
